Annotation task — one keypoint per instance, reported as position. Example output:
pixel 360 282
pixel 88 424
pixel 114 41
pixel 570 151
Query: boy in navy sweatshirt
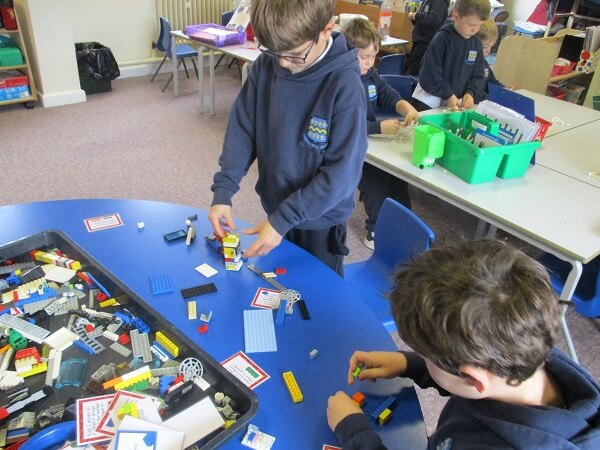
pixel 488 34
pixel 482 319
pixel 302 116
pixel 376 184
pixel 430 17
pixel 452 69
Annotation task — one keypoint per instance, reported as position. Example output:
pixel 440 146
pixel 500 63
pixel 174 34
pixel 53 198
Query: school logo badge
pixel 486 73
pixel 317 132
pixel 472 56
pixel 372 92
pixel 446 444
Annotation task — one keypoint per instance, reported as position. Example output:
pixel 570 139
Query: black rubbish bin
pixel 97 67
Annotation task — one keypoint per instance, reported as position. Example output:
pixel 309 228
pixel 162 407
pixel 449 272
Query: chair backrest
pixel 226 17
pixel 404 84
pixel 399 235
pixel 391 64
pixel 164 38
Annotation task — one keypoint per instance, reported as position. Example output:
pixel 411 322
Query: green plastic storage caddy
pixel 471 163
pixel 10 56
pixel 428 145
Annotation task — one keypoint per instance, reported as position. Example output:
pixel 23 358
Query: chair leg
pixel 185 68
pixel 170 78
pixel 219 61
pixel 157 70
pixel 195 68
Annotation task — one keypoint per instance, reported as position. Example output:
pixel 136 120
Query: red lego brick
pixel 124 339
pixel 280 270
pixel 203 328
pixel 101 296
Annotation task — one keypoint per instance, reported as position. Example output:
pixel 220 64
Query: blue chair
pixel 225 18
pixel 391 64
pixel 586 298
pixel 183 51
pixel 399 235
pixel 404 84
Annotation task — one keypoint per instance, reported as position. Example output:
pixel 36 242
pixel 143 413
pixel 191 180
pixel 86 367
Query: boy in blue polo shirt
pixel 301 115
pixel 451 73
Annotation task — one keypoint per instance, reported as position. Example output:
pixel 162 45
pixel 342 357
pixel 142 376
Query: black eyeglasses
pixel 290 58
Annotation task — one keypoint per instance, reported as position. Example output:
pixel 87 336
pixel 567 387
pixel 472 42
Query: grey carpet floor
pixel 136 142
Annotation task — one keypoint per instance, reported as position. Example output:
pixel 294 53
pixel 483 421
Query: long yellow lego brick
pixel 290 382
pixel 36 368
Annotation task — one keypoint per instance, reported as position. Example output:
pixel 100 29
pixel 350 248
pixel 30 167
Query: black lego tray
pixel 244 400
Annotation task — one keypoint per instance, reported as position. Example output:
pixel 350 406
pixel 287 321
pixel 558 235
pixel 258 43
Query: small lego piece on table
pixel 280 270
pixel 293 388
pixel 356 372
pixel 140 226
pixel 313 353
pixel 160 284
pixel 191 307
pixel 384 417
pixel 359 398
pixel 202 329
pixel 197 291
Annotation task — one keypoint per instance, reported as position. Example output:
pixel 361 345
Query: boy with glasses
pixel 301 115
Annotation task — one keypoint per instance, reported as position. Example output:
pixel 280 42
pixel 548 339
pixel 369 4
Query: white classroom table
pixel 575 153
pixel 548 209
pixel 568 115
pixel 247 52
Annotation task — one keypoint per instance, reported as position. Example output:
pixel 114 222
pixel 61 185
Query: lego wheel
pixel 29 105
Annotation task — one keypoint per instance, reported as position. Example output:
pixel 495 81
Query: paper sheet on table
pixel 166 438
pixel 197 421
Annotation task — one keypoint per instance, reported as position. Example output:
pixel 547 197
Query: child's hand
pixel 219 217
pixel 408 111
pixel 339 406
pixel 452 102
pixel 390 126
pixel 376 365
pixel 468 101
pixel 268 239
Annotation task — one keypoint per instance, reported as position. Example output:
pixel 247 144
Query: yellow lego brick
pixel 385 415
pixel 192 313
pixel 167 344
pixel 290 382
pixel 108 302
pixel 37 368
pixel 128 382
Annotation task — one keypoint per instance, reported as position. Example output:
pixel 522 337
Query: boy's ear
pixel 454 15
pixel 479 378
pixel 327 30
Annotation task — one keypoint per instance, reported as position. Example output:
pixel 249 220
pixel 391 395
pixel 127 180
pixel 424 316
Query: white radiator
pixel 191 12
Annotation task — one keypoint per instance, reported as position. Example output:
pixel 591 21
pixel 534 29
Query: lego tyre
pixel 52 437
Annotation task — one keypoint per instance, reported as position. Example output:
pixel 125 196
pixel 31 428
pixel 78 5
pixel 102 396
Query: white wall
pixel 50 48
pixel 518 10
pixel 128 27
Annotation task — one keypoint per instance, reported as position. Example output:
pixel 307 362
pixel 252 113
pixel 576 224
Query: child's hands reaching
pixel 468 101
pixel 390 126
pixel 338 407
pixel 376 365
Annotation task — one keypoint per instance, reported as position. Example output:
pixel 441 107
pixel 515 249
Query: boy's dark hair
pixel 488 31
pixel 479 8
pixel 361 33
pixel 481 303
pixel 281 25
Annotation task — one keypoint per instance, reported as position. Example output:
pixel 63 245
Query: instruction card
pixel 103 222
pixel 89 412
pixel 245 370
pixel 266 298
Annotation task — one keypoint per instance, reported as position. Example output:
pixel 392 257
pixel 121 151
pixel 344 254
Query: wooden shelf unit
pixel 17 38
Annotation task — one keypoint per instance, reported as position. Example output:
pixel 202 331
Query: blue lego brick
pixel 388 403
pixel 279 318
pixel 160 284
pixel 83 346
pixel 164 383
pixel 98 285
pixel 140 325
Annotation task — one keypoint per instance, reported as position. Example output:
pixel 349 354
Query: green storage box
pixel 11 56
pixel 428 145
pixel 474 164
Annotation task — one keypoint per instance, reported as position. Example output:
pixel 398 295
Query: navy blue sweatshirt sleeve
pixel 431 75
pixel 355 432
pixel 238 147
pixel 387 97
